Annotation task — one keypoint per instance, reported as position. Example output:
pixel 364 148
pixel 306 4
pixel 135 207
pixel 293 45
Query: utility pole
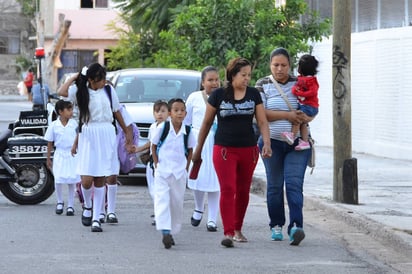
pixel 345 178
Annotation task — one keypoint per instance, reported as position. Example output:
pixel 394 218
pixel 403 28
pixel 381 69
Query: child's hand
pixel 74 150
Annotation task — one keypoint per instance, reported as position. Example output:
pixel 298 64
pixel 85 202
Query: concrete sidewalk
pixel 384 191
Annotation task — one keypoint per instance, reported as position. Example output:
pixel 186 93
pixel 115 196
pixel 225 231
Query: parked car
pixel 138 89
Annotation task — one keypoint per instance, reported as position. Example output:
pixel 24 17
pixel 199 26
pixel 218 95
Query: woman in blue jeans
pixel 286 167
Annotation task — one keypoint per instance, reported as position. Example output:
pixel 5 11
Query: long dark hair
pixel 233 67
pixel 95 72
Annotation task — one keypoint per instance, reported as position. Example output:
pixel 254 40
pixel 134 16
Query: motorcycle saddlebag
pixel 27 149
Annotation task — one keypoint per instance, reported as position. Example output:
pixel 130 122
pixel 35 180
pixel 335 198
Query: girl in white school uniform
pixel 206 182
pixel 96 143
pixel 160 114
pixel 171 165
pixel 61 135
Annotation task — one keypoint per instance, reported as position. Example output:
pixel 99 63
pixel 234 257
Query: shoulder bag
pixel 312 159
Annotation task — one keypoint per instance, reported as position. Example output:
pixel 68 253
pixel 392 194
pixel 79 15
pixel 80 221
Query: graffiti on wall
pixel 340 62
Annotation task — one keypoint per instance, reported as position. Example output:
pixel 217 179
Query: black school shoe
pixel 195 222
pixel 168 241
pixel 96 226
pixel 111 218
pixel 86 221
pixel 211 226
pixel 70 211
pixel 59 208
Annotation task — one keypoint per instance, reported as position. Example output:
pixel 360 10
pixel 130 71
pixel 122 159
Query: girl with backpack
pixel 96 143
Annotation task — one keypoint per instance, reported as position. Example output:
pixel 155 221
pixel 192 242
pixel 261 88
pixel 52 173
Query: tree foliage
pixel 150 15
pixel 193 34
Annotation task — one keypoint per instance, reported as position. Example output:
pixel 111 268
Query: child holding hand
pixel 61 135
pixel 160 114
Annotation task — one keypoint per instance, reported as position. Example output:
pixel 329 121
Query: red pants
pixel 234 168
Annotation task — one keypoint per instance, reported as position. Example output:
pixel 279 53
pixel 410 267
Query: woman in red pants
pixel 235 152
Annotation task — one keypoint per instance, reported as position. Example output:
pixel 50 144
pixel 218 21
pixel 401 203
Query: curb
pixel 382 233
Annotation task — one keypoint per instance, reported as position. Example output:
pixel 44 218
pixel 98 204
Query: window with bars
pixel 9 45
pixel 89 4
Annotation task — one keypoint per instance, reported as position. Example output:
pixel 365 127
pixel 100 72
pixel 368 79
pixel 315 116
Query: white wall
pixel 381 88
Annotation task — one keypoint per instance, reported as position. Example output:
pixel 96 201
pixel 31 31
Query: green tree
pixel 214 31
pixel 153 15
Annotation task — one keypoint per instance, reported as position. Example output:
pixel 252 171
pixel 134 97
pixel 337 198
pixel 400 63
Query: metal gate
pixel 74 60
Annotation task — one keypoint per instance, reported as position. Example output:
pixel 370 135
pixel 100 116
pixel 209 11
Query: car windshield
pixel 144 88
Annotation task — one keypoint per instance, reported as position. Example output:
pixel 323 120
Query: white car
pixel 139 88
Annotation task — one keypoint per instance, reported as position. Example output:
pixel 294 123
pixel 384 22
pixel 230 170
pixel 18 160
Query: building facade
pixel 381 65
pixel 89 36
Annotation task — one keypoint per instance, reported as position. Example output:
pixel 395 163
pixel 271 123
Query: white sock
pixel 59 192
pixel 70 199
pixel 98 197
pixel 111 198
pixel 199 197
pixel 103 208
pixel 213 205
pixel 87 196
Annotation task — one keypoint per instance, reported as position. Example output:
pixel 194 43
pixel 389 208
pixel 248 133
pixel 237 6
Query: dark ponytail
pixel 95 72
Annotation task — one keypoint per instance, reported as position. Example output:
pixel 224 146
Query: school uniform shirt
pixel 64 164
pixel 97 147
pixel 171 154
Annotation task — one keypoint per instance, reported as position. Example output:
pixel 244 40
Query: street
pixel 36 240
pixel 10 112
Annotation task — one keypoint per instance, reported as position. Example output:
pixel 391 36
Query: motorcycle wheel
pixel 33 184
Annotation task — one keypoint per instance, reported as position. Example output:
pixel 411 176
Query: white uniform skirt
pixel 64 167
pixel 207 178
pixel 97 150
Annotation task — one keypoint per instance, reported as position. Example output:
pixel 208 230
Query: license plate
pixel 22 149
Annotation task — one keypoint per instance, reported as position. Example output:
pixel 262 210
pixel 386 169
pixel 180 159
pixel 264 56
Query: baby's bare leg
pixel 304 132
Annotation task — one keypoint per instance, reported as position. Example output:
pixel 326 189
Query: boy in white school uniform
pixel 171 163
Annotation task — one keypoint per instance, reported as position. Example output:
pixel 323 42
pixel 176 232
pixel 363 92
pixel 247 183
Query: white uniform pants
pixel 168 202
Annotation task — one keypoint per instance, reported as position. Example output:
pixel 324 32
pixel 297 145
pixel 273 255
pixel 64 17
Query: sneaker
pixel 303 145
pixel 277 233
pixel 288 137
pixel 296 235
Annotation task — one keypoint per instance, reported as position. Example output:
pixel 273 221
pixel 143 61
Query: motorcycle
pixel 24 176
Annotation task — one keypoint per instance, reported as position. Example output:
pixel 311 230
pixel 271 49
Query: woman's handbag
pixel 312 159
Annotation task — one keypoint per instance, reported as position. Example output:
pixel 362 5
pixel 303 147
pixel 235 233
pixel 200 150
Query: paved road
pixel 373 237
pixel 35 240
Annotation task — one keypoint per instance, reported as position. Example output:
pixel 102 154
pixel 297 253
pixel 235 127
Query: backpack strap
pixel 108 90
pixel 165 132
pixel 185 139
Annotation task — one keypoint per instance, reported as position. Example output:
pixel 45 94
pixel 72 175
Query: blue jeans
pixel 286 168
